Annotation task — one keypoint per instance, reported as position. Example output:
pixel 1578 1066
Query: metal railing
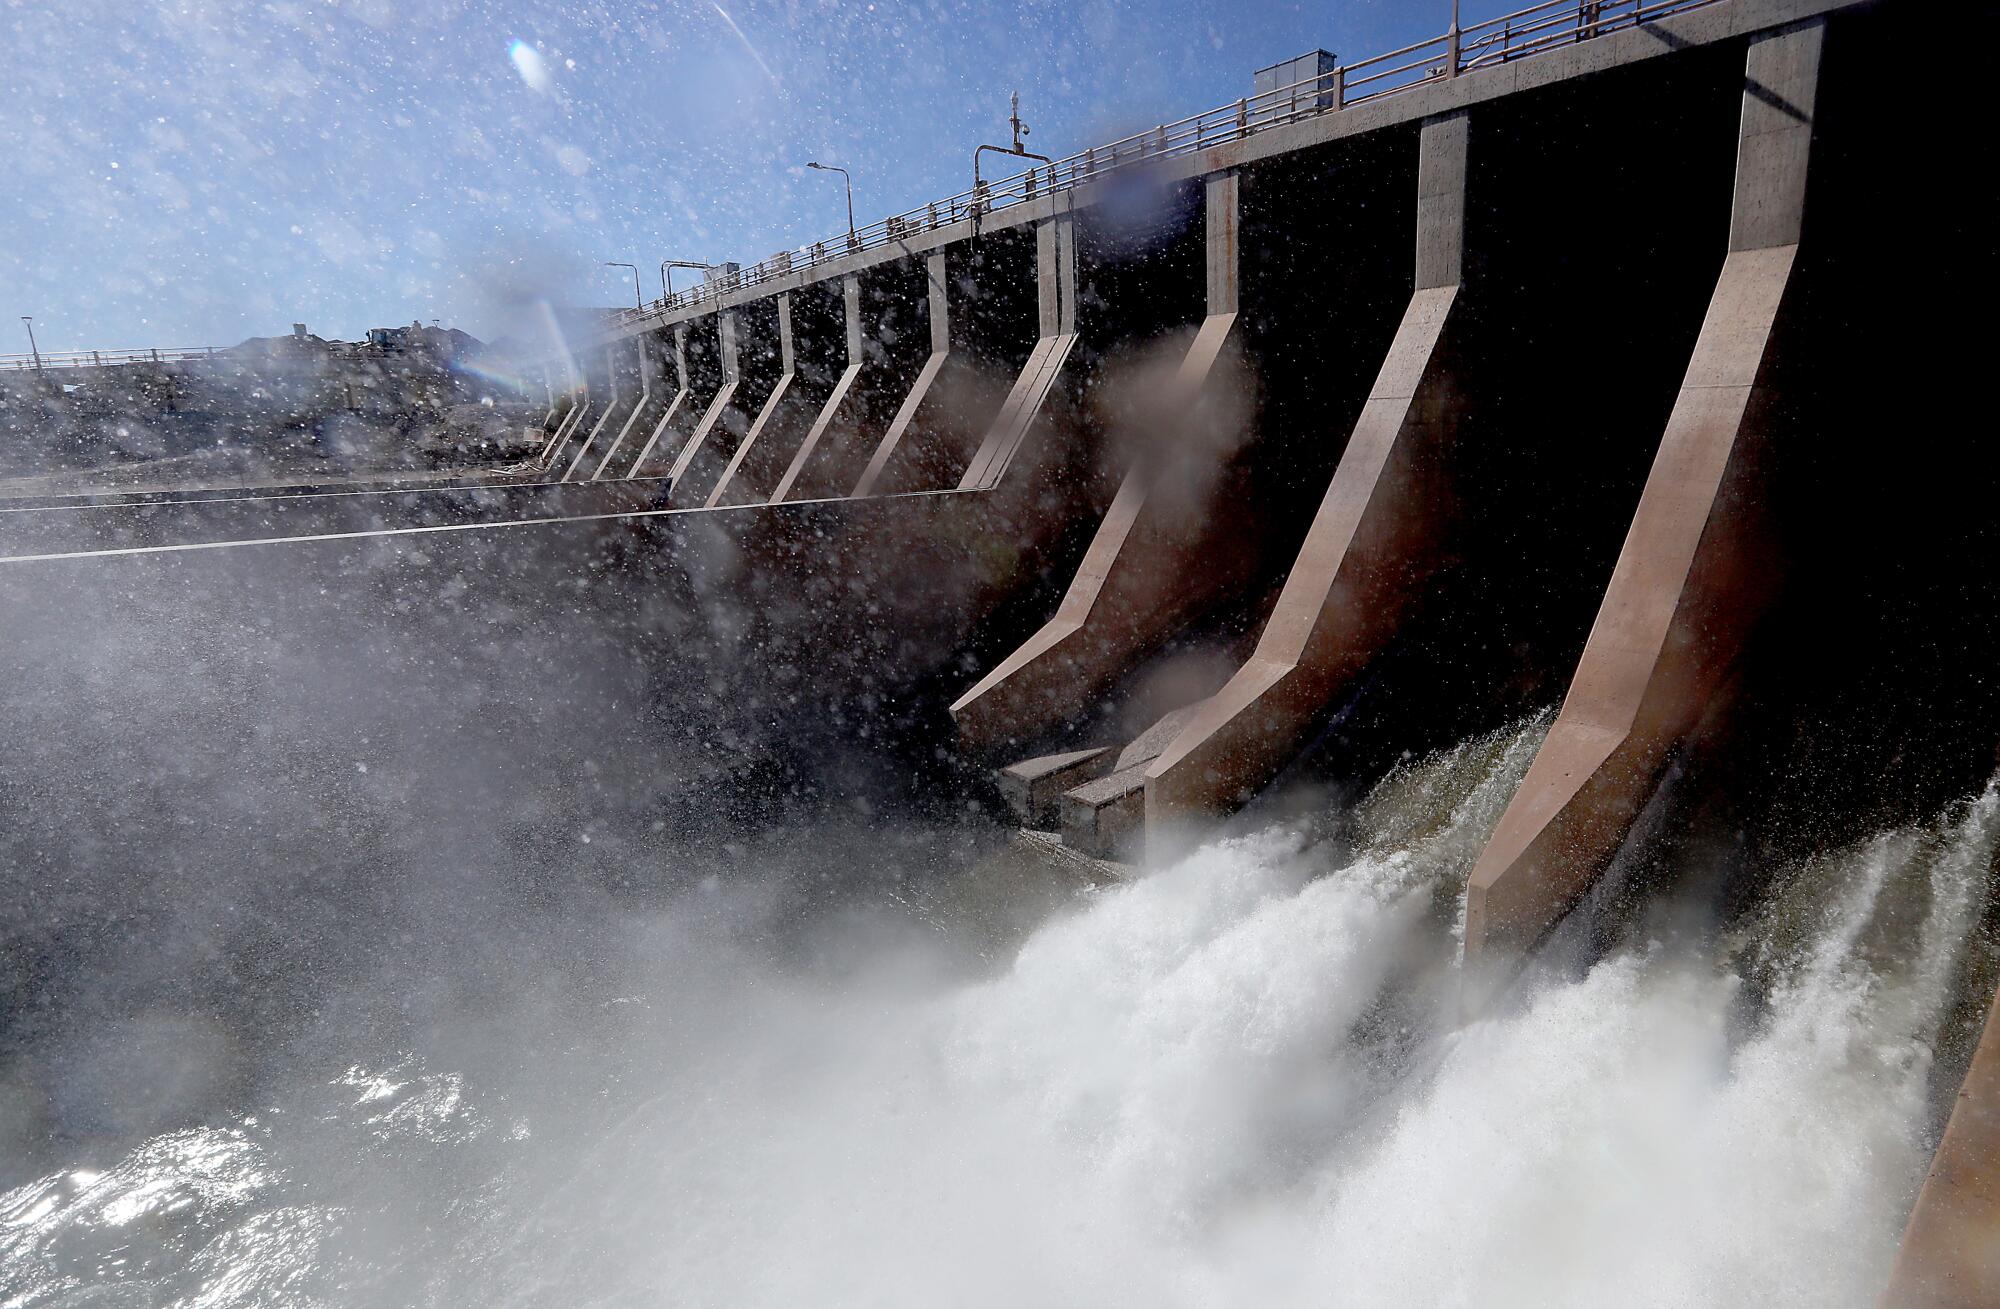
pixel 1518 35
pixel 59 359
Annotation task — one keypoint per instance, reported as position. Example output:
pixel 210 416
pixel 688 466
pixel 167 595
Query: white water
pixel 1224 1084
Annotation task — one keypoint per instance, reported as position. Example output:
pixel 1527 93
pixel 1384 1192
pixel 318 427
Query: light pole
pixel 638 301
pixel 1020 130
pixel 666 278
pixel 33 349
pixel 852 241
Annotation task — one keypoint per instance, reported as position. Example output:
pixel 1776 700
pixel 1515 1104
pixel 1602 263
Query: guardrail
pixel 1518 35
pixel 51 359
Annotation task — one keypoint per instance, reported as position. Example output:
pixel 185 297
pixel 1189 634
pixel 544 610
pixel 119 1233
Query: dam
pixel 1383 693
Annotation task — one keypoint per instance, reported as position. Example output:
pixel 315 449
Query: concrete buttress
pixel 725 327
pixel 940 323
pixel 648 368
pixel 1950 1257
pixel 1373 542
pixel 579 410
pixel 1690 578
pixel 850 298
pixel 1132 588
pixel 1055 307
pixel 787 373
pixel 613 406
pixel 674 404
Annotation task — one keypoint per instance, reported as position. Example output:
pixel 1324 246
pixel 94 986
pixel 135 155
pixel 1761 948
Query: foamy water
pixel 1234 1081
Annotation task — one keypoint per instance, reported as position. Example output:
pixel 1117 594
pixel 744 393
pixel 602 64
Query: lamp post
pixel 852 240
pixel 33 349
pixel 1018 149
pixel 638 300
pixel 666 278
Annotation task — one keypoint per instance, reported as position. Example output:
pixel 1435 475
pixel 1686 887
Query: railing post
pixel 1243 117
pixel 1340 87
pixel 1451 60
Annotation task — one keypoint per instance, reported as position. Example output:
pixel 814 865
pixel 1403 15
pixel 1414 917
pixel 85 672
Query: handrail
pixel 1517 35
pixel 1523 33
pixel 47 359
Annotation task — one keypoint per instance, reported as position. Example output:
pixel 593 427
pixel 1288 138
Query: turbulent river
pixel 1237 1080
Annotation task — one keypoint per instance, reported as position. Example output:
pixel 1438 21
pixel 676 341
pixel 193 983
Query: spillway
pixel 1240 1078
pixel 1380 695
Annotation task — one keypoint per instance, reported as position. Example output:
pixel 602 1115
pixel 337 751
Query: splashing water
pixel 1229 1082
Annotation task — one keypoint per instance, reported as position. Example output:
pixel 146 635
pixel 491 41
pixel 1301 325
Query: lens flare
pixel 528 62
pixel 748 48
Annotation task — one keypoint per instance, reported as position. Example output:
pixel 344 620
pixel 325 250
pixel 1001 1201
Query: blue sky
pixel 191 172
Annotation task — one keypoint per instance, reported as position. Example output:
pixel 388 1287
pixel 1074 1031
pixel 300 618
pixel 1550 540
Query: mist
pixel 497 970
pixel 1025 863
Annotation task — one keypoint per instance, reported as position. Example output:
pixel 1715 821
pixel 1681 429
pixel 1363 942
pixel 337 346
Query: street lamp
pixel 638 301
pixel 33 349
pixel 853 242
pixel 666 278
pixel 1020 130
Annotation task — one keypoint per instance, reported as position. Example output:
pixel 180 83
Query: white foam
pixel 1222 1085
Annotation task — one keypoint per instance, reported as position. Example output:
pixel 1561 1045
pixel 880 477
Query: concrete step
pixel 1104 817
pixel 1033 787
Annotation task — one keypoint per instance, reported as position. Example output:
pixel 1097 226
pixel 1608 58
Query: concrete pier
pixel 1693 573
pixel 578 411
pixel 699 346
pixel 993 287
pixel 697 462
pixel 1371 546
pixel 1950 1257
pixel 787 374
pixel 836 400
pixel 676 405
pixel 1151 560
pixel 812 323
pixel 646 366
pixel 1055 315
pixel 935 284
pixel 894 342
pixel 618 405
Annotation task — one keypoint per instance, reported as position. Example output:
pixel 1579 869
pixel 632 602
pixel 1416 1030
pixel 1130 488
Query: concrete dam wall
pixel 1607 406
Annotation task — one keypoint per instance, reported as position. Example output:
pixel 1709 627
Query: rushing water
pixel 1234 1081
